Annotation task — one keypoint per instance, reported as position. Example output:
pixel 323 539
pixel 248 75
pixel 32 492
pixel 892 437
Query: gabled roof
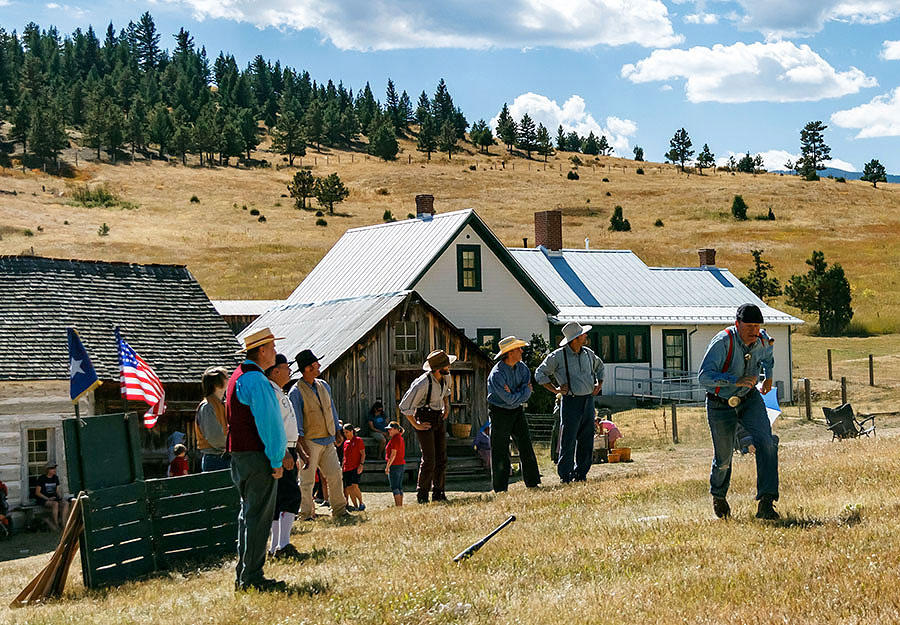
pixel 615 286
pixel 393 257
pixel 162 311
pixel 329 329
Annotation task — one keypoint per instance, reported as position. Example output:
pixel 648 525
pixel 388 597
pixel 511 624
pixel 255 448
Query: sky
pixel 738 75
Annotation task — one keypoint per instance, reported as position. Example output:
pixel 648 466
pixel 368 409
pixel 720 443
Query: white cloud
pixel 891 51
pixel 775 160
pixel 72 11
pixel 777 71
pixel 878 118
pixel 701 18
pixel 403 24
pixel 777 18
pixel 572 115
pixel 666 87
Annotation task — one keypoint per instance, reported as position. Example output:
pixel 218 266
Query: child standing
pixel 395 461
pixel 179 464
pixel 354 458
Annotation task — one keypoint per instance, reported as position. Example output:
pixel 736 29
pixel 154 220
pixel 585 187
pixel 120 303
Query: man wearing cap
pixel 426 406
pixel 509 387
pixel 257 443
pixel 317 424
pixel 579 373
pixel 729 372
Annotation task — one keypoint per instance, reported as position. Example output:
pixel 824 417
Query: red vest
pixel 242 432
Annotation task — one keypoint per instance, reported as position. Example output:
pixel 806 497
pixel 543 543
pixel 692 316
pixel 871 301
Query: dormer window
pixel 468 267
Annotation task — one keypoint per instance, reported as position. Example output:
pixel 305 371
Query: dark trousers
pixel 433 467
pixel 576 437
pixel 506 423
pixel 751 414
pixel 252 475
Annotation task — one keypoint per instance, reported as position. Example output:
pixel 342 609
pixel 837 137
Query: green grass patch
pixel 99 196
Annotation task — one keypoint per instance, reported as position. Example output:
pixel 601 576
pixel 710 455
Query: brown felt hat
pixel 438 359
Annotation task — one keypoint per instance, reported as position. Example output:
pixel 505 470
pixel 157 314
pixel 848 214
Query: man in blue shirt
pixel 579 373
pixel 509 387
pixel 729 372
pixel 257 443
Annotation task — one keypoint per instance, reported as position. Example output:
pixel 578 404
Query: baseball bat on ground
pixel 468 551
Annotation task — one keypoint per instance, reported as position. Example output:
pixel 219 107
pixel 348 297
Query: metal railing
pixel 651 383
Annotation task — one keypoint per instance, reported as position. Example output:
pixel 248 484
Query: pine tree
pixel 618 223
pixel 603 146
pixel 561 142
pixel 758 280
pixel 544 143
pixel 183 139
pixel 423 108
pixel 349 126
pixel 746 165
pixel 331 122
pixel 115 129
pixel 301 187
pixel 207 137
pixel 383 143
pixel 481 135
pixel 527 136
pixel 21 121
pixel 146 42
pixel 231 141
pixel 739 208
pixel 314 122
pixel 330 191
pixel 706 159
pixel 136 131
pixel 405 112
pixel 447 140
pixel 680 148
pixel 160 128
pixel 427 141
pixel 638 153
pixel 288 138
pixel 824 291
pixel 874 172
pixel 813 150
pixel 573 142
pixel 95 123
pixel 392 105
pixel 590 145
pixel 442 105
pixel 507 130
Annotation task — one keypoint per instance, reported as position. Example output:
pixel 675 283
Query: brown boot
pixel 766 509
pixel 721 507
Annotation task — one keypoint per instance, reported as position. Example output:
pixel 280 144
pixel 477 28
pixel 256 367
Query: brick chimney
pixel 707 257
pixel 548 229
pixel 424 205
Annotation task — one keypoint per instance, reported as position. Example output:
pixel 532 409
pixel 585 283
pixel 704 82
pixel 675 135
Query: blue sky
pixel 737 74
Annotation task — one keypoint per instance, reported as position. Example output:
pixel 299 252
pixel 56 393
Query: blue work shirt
pixel 517 378
pixel 254 389
pixel 297 400
pixel 585 367
pixel 746 360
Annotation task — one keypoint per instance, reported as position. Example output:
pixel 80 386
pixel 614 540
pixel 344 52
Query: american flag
pixel 140 382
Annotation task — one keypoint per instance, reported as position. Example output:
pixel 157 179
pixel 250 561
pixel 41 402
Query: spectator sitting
pixel 482 445
pixel 395 461
pixel 179 464
pixel 353 461
pixel 378 425
pixel 49 493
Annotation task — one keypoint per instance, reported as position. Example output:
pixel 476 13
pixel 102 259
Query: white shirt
pixel 287 416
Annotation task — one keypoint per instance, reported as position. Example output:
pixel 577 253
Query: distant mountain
pixel 849 175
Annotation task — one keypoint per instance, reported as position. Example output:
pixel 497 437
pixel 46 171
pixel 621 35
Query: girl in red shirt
pixel 395 461
pixel 354 459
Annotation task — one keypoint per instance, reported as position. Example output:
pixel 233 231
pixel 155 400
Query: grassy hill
pixel 235 256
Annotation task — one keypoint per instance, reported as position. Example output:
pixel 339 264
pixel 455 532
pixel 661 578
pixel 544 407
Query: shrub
pixel 771 215
pixel 840 179
pixel 321 222
pixel 94 197
pixel 319 213
pixel 473 168
pixel 277 204
pixel 575 161
pixel 382 191
pixel 262 219
pixel 587 201
pixel 387 216
pixel 606 180
pixel 244 207
pixel 28 233
pixel 739 208
pixel 640 171
pixel 572 175
pixel 284 195
pixel 410 216
pixel 254 211
pixel 195 199
pixel 659 223
pixel 618 223
pixel 40 228
pixel 608 194
pixel 66 222
pixel 103 230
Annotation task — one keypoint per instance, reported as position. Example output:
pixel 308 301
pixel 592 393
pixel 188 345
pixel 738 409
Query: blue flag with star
pixel 82 377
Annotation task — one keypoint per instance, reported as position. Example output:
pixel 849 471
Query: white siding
pixel 502 302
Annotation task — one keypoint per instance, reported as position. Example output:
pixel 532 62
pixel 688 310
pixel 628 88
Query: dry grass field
pixel 637 543
pixel 851 222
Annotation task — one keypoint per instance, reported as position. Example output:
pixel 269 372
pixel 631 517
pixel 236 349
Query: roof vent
pixel 548 229
pixel 707 257
pixel 424 206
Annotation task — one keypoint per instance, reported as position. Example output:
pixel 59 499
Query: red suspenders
pixel 728 357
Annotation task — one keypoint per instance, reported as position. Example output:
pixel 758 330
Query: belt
pixel 732 402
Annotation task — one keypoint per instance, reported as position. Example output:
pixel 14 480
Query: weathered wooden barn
pixel 163 314
pixel 372 347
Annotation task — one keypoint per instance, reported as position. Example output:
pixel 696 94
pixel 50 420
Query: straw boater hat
pixel 573 330
pixel 438 359
pixel 508 344
pixel 260 337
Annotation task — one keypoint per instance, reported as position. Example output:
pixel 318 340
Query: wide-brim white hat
pixel 573 330
pixel 508 344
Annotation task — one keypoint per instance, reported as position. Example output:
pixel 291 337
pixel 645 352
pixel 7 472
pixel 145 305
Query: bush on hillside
pixel 572 175
pixel 262 219
pixel 103 230
pixel 618 223
pixel 195 199
pixel 739 208
pixel 659 223
pixel 254 211
pixel 321 222
pixel 640 171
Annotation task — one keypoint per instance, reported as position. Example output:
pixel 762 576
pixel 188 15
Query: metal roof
pixel 244 307
pixel 585 283
pixel 384 258
pixel 327 328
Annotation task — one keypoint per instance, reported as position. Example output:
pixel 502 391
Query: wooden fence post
pixel 807 397
pixel 843 390
pixel 674 423
pixel 871 371
pixel 830 375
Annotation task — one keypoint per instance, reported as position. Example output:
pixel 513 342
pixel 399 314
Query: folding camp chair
pixel 844 424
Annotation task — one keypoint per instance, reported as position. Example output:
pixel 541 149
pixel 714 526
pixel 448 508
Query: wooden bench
pixel 33 512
